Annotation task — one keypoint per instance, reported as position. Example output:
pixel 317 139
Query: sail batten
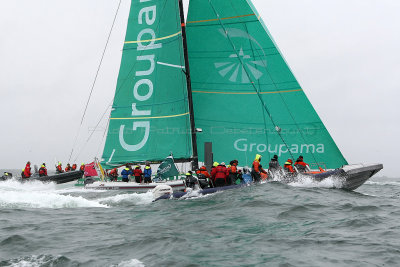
pixel 239 72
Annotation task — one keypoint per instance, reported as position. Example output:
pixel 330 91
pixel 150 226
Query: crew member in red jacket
pixel 137 172
pixel 59 168
pixel 82 168
pixel 219 175
pixel 68 168
pixel 203 170
pixel 43 170
pixel 27 171
pixel 74 167
pixel 113 174
pixel 288 168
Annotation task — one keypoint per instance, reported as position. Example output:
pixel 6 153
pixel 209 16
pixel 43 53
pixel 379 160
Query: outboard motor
pixel 162 190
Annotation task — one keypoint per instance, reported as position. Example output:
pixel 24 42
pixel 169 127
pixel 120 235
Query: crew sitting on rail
pixel 300 165
pixel 137 172
pixel 82 168
pixel 113 175
pixel 68 168
pixel 257 169
pixel 43 170
pixel 125 174
pixel 59 168
pixel 288 168
pixel 219 175
pixel 73 168
pixel 147 173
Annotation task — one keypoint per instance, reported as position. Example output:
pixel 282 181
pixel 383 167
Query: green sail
pixel 246 99
pixel 150 116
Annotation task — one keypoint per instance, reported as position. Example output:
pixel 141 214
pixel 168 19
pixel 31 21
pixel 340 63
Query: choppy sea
pixel 270 224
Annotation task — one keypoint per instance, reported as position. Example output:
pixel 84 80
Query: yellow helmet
pixel 258 157
pixel 147 167
pixel 23 169
pixel 215 164
pixel 127 168
pixel 188 174
pixel 228 166
pixel 82 164
pixel 42 166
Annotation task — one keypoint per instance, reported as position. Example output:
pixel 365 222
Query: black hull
pixel 352 177
pixel 61 178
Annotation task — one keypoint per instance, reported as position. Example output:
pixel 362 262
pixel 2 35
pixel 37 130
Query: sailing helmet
pixel 215 164
pixel 258 157
pixel 148 167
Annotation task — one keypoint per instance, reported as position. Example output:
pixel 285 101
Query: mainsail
pixel 246 99
pixel 150 114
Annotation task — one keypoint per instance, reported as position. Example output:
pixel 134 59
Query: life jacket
pixel 221 172
pixel 27 171
pixel 147 171
pixel 59 168
pixel 288 168
pixel 73 167
pixel 203 171
pixel 137 172
pixel 126 172
pixel 43 171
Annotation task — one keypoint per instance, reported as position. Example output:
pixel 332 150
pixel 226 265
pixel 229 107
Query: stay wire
pixel 95 79
pixel 248 75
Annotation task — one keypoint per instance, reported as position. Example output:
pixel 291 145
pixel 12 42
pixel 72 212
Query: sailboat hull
pixel 61 178
pixel 135 187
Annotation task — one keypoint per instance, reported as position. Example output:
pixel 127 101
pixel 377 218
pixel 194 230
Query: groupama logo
pixel 241 66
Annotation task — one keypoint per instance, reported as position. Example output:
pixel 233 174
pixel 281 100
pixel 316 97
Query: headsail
pixel 246 98
pixel 150 116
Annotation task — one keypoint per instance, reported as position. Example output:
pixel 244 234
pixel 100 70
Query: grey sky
pixel 345 54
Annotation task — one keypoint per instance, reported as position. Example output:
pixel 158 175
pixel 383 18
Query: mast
pixel 195 163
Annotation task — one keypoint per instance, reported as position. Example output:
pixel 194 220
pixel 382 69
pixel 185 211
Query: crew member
pixel 125 174
pixel 27 171
pixel 137 172
pixel 190 180
pixel 219 175
pixel 203 171
pixel 257 169
pixel 82 168
pixel 23 173
pixel 233 172
pixel 274 166
pixel 68 168
pixel 59 168
pixel 300 165
pixel 113 174
pixel 246 175
pixel 204 177
pixel 288 168
pixel 147 173
pixel 43 170
pixel 73 168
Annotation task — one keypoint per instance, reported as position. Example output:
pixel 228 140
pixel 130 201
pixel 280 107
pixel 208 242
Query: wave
pixel 308 182
pixel 37 261
pixel 130 263
pixel 128 198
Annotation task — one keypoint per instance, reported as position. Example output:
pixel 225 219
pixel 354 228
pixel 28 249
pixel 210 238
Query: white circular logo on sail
pixel 241 67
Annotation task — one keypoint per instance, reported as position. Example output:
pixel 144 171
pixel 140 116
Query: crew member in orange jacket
pixel 219 175
pixel 113 174
pixel 82 168
pixel 288 168
pixel 233 172
pixel 73 167
pixel 257 169
pixel 27 171
pixel 137 172
pixel 301 165
pixel 203 170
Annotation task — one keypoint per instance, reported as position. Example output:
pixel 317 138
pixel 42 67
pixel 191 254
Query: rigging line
pixel 280 92
pixel 248 75
pixel 95 78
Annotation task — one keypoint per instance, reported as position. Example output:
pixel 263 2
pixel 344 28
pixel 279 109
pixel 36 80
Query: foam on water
pixel 130 263
pixel 14 194
pixel 309 182
pixel 131 198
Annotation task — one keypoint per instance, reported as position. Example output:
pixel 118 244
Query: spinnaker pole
pixel 195 162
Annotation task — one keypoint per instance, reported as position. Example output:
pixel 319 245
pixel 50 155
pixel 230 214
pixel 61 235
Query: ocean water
pixel 270 224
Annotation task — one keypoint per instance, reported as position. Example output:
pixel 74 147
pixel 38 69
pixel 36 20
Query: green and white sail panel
pixel 150 116
pixel 243 88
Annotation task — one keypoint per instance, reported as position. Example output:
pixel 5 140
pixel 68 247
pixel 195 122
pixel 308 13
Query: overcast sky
pixel 345 54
